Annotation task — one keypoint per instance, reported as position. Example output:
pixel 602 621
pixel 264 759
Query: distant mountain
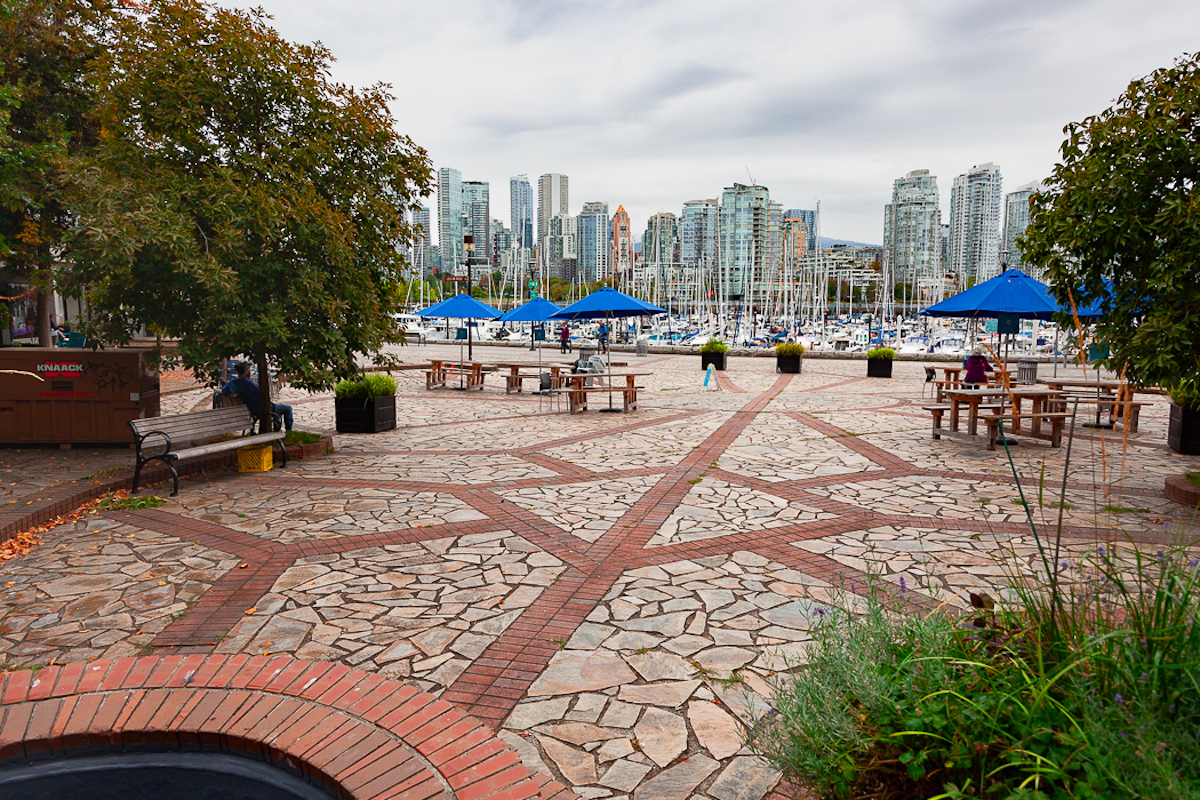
pixel 827 242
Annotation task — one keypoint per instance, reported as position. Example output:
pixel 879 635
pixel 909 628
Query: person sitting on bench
pixel 977 367
pixel 247 391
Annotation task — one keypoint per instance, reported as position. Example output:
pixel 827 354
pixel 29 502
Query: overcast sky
pixel 649 104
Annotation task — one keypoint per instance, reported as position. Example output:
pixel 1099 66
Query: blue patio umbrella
pixel 608 303
pixel 539 309
pixel 461 306
pixel 1010 293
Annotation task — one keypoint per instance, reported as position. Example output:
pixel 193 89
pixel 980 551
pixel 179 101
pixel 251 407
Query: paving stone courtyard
pixel 614 594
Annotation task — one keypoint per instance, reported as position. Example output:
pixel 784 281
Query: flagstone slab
pixel 571 671
pixel 745 778
pixel 717 732
pixel 672 694
pixel 661 735
pixel 678 782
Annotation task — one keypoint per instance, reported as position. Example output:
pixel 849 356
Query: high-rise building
pixel 620 247
pixel 477 219
pixel 422 225
pixel 912 229
pixel 744 239
pixel 975 224
pixel 450 223
pixel 698 234
pixel 809 218
pixel 593 241
pixel 660 242
pixel 502 239
pixel 562 254
pixel 520 195
pixel 552 200
pixel 1016 220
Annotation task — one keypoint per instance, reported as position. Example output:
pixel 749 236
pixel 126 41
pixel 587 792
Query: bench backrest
pixel 196 425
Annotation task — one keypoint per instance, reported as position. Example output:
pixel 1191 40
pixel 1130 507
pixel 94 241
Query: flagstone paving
pixel 616 595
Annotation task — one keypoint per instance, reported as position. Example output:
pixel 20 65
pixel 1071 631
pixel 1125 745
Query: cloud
pixel 650 104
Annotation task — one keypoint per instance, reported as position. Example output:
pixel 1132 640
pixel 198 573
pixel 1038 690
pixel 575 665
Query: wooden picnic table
pixel 953 380
pixel 1115 395
pixel 441 369
pixel 1043 409
pixel 578 390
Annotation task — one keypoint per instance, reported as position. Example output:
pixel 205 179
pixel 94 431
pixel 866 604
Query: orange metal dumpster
pixel 67 396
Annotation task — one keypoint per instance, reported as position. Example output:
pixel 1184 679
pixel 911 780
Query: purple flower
pixel 1171 708
pixel 903 584
pixel 1103 552
pixel 820 612
pixel 1120 700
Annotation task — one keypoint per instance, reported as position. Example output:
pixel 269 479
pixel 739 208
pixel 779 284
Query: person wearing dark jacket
pixel 246 390
pixel 977 367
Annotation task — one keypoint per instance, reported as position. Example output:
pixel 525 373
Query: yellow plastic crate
pixel 256 458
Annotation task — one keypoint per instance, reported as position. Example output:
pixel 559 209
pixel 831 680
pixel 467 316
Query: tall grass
pixel 1087 686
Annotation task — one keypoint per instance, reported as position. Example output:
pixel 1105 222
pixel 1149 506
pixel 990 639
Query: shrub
pixel 789 349
pixel 370 385
pixel 882 352
pixel 714 346
pixel 301 437
pixel 1090 695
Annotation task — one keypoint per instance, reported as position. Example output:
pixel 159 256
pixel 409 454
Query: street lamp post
pixel 469 253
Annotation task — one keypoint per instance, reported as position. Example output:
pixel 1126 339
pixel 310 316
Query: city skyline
pixel 661 102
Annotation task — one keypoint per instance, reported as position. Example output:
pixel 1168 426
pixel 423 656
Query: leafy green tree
pixel 45 46
pixel 239 200
pixel 1119 223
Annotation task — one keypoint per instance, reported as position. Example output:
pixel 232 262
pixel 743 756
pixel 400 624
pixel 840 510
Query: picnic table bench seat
pixel 172 431
pixel 577 396
pixel 1054 418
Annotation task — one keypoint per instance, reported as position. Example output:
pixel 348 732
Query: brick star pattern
pixel 615 597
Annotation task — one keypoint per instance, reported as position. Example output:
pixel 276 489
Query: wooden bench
pixel 1055 418
pixel 1115 407
pixel 577 396
pixel 439 377
pixel 170 432
pixel 939 411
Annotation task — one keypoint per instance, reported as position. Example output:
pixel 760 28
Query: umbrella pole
pixel 610 408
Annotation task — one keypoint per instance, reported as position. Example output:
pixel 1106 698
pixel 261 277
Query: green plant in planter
pixel 1185 392
pixel 714 346
pixel 372 385
pixel 886 353
pixel 789 349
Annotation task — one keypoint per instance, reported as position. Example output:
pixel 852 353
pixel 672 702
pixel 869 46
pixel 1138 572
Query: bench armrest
pixel 141 440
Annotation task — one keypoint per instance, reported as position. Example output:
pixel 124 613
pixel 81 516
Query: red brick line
pixel 491 686
pixel 217 537
pixel 1077 486
pixel 503 513
pixel 827 386
pixel 559 465
pixel 728 385
pixel 877 454
pixel 779 538
pixel 605 432
pixel 358 734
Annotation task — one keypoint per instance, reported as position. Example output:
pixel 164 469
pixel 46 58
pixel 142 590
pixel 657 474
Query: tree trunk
pixel 45 302
pixel 266 423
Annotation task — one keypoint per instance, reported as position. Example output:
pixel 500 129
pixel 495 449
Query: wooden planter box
pixel 879 368
pixel 789 364
pixel 1183 432
pixel 370 416
pixel 716 359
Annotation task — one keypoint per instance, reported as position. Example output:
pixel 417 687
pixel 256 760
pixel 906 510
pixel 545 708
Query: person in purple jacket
pixel 977 367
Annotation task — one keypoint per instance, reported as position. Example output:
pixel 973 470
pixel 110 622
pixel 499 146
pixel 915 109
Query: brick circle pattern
pixel 354 732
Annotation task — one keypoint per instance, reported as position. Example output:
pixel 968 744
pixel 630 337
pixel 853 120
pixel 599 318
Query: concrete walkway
pixel 614 594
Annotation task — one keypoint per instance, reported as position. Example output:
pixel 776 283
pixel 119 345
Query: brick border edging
pixel 64 499
pixel 355 732
pixel 1181 490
